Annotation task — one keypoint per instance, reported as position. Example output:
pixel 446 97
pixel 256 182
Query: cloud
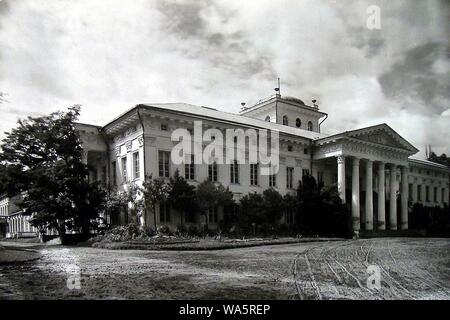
pixel 111 55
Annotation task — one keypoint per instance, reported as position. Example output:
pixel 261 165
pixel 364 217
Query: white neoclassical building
pixel 372 166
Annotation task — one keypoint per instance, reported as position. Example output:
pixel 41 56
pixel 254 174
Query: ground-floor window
pixel 213 215
pixel 319 176
pixel 189 169
pixel 305 172
pixel 212 172
pixel 289 177
pixel 419 192
pixel 164 213
pixel 289 216
pixel 234 172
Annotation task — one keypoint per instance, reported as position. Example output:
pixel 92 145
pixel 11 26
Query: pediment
pixel 382 135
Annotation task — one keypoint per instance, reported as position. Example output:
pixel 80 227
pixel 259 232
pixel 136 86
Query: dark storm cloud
pixel 418 77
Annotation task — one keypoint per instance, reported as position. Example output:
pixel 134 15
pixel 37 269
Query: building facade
pixel 372 167
pixel 13 224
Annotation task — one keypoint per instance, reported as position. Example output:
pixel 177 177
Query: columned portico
pixel 355 196
pixel 393 198
pixel 381 219
pixel 404 199
pixel 369 196
pixel 341 177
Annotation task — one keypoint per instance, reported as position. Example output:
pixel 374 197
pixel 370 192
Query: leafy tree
pixel 210 195
pixel 442 159
pixel 154 192
pixel 273 206
pixel 182 196
pixel 320 209
pixel 252 213
pixel 116 201
pixel 43 160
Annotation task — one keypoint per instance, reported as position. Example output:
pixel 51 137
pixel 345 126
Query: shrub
pixel 164 230
pixel 193 231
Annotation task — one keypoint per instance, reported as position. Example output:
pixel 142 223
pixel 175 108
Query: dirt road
pixel 408 269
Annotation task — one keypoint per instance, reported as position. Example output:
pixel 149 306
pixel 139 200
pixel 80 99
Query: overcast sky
pixel 110 55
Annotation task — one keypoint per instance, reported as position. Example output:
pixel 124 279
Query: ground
pixel 409 269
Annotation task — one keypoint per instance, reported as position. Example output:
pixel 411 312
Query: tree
pixel 442 159
pixel 43 159
pixel 320 209
pixel 154 191
pixel 210 196
pixel 273 206
pixel 116 201
pixel 182 196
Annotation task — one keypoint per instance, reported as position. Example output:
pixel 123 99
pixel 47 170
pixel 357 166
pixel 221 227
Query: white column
pixel 369 195
pixel 381 223
pixel 404 199
pixel 393 198
pixel 341 177
pixel 355 196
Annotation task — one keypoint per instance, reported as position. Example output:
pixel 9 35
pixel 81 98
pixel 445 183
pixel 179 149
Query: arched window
pixel 310 126
pixel 285 121
pixel 268 118
pixel 298 123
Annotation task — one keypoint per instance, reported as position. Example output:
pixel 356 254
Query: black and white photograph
pixel 248 152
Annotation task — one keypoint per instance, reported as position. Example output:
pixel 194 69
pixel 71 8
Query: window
pixel 254 174
pixel 163 162
pixel 164 212
pixel 136 168
pixel 234 172
pixel 103 177
pixel 272 180
pixel 285 121
pixel 189 169
pixel 427 194
pixel 114 173
pixel 298 122
pixel 213 215
pixel 212 172
pixel 435 191
pixel 163 127
pixel 319 177
pixel 268 118
pixel 443 195
pixel 289 216
pixel 310 126
pixel 305 151
pixel 410 191
pixel 305 172
pixel 124 169
pixel 419 192
pixel 290 148
pixel 289 177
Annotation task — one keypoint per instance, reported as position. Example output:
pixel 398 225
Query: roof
pixel 221 116
pixel 382 126
pixel 428 163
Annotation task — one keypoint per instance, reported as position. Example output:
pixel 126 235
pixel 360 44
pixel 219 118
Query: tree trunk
pixel 154 217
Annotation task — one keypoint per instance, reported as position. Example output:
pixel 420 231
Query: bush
pixel 181 230
pixel 193 231
pixel 164 230
pixel 123 233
